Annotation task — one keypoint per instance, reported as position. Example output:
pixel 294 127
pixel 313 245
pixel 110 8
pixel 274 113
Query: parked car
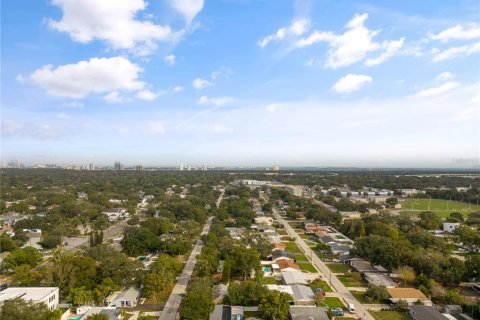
pixel 337 312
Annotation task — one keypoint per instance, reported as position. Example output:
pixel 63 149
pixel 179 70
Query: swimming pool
pixel 266 270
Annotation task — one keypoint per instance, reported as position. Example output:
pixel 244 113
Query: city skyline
pixel 228 83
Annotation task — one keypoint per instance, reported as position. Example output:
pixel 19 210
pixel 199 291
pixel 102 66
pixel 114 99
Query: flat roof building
pixel 47 295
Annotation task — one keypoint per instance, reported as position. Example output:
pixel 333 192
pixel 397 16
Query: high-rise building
pixel 180 167
pixel 204 167
pixel 118 165
pixel 91 166
pixel 138 167
pixel 189 168
pixel 276 167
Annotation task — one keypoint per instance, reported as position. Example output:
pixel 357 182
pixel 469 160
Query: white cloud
pixel 220 129
pixel 272 107
pixel 178 89
pixel 353 45
pixel 455 52
pixel 297 28
pixel 200 83
pixel 170 60
pixel 155 127
pixel 444 76
pixel 97 75
pixel 112 21
pixel 113 97
pixel 392 47
pixel 458 32
pixel 222 72
pixel 146 95
pixel 437 91
pixel 351 82
pixel 63 116
pixel 217 102
pixel 188 8
pixel 74 105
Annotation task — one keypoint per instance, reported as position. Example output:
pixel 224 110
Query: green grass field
pixel 338 267
pixel 441 207
pixel 353 279
pixel 292 248
pixel 333 302
pixel 306 266
pixel 320 284
pixel 390 315
pixel 300 257
pixel 269 280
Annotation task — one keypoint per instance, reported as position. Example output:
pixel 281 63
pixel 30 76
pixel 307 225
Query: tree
pixel 472 266
pixel 6 243
pixel 407 273
pixel 196 305
pixel 80 296
pixel 161 275
pixel 392 201
pixel 275 305
pixel 227 270
pixel 247 293
pixel 28 255
pixel 376 293
pixel 24 310
pixel 97 316
pixel 105 288
pixel 429 220
pixel 455 217
pixel 24 276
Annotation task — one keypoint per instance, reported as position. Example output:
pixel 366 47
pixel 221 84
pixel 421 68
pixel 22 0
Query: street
pixel 336 284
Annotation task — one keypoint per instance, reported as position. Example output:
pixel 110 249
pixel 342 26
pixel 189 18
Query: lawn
pixel 160 298
pixel 306 266
pixel 361 298
pixel 338 267
pixel 441 207
pixel 300 258
pixel 253 314
pixel 292 248
pixel 269 280
pixel 390 315
pixel 333 302
pixel 320 284
pixel 353 279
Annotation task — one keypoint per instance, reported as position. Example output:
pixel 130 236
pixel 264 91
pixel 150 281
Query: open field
pixel 338 267
pixel 441 207
pixel 320 284
pixel 269 280
pixel 390 315
pixel 307 266
pixel 352 279
pixel 333 302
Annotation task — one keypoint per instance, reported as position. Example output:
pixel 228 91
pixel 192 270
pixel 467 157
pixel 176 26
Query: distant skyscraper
pixel 138 167
pixel 91 166
pixel 276 167
pixel 180 167
pixel 189 168
pixel 118 165
pixel 204 167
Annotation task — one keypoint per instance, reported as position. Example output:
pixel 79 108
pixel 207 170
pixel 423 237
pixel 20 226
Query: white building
pixel 450 226
pixel 253 182
pixel 115 214
pixel 47 295
pixel 124 299
pixel 276 167
pixel 295 190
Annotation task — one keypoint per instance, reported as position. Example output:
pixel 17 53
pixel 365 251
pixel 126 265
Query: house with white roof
pixel 47 295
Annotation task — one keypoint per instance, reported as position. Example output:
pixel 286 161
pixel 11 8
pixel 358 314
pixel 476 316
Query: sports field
pixel 442 207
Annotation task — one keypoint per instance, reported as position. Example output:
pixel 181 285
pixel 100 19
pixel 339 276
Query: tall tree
pixel 275 305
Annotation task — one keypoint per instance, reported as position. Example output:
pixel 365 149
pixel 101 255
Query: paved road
pixel 335 283
pixel 173 303
pixel 170 311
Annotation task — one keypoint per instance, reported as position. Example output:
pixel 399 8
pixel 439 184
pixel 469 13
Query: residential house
pixel 281 254
pixel 47 295
pixel 301 294
pixel 308 313
pixel 286 265
pixel 115 214
pixel 379 279
pixel 419 312
pixel 224 312
pixel 409 295
pixel 293 277
pixel 450 226
pixel 124 299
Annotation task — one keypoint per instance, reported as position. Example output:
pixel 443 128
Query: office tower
pixel 204 167
pixel 276 167
pixel 118 165
pixel 180 167
pixel 189 168
pixel 138 167
pixel 91 166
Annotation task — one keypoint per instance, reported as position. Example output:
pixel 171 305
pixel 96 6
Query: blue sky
pixel 239 82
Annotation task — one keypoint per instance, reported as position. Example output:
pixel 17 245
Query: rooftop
pixel 406 293
pixel 31 293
